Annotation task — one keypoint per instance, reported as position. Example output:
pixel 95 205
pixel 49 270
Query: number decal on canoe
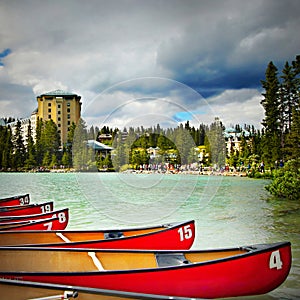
pixel 24 200
pixel 61 217
pixel 185 232
pixel 48 226
pixel 46 208
pixel 275 260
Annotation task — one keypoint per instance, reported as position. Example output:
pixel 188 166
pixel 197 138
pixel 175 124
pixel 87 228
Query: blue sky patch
pixel 3 54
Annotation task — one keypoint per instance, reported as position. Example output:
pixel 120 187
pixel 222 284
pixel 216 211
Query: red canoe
pixel 234 272
pixel 53 223
pixel 169 236
pixel 62 213
pixel 26 209
pixel 15 200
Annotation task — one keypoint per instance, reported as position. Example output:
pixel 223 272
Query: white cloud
pixel 239 107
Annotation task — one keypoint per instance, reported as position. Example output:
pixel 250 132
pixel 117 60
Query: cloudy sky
pixel 138 62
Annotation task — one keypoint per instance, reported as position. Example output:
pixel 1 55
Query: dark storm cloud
pixel 231 46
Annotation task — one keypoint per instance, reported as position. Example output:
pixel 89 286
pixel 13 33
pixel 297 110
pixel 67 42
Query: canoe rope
pixel 65 239
pixel 96 261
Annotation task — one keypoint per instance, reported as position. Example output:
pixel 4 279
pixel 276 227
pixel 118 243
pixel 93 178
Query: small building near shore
pixel 100 148
pixel 233 138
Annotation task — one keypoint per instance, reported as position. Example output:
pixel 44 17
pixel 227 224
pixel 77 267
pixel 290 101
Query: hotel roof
pixel 59 93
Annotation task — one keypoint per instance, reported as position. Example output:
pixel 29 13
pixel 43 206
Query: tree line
pixel 282 127
pixel 277 141
pixel 280 139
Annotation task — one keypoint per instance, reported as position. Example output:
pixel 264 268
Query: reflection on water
pixel 229 211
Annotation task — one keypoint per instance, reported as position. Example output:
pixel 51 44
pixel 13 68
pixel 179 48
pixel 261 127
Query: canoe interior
pixel 31 260
pixel 27 238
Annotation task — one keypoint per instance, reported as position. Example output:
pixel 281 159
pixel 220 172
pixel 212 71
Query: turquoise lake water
pixel 229 211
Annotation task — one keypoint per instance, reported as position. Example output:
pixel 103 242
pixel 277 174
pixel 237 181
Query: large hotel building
pixel 62 107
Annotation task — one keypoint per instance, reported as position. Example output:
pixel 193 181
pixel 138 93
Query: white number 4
pixel 185 232
pixel 275 260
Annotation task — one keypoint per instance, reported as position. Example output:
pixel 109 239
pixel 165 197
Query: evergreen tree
pixel 79 146
pixel 288 94
pixel 184 143
pixel 19 148
pixel 271 122
pixel 50 138
pixel 39 151
pixel 30 161
pixel 217 143
pixel 119 157
pixel 293 141
pixel 6 149
pixel 68 147
pixel 46 159
pixel 65 160
pixel 293 137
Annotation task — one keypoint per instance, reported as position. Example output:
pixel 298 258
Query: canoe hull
pixel 168 239
pixel 15 200
pixel 261 270
pixel 175 236
pixel 62 213
pixel 56 222
pixel 26 209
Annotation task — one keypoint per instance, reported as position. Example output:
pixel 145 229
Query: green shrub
pixel 285 183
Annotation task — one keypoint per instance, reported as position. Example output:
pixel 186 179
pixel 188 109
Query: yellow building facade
pixel 62 107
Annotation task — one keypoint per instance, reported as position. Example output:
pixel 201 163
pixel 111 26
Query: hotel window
pixel 68 110
pixel 58 119
pixel 69 122
pixel 69 116
pixel 68 104
pixel 58 105
pixel 49 104
pixel 49 116
pixel 58 125
pixel 49 110
pixel 58 112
